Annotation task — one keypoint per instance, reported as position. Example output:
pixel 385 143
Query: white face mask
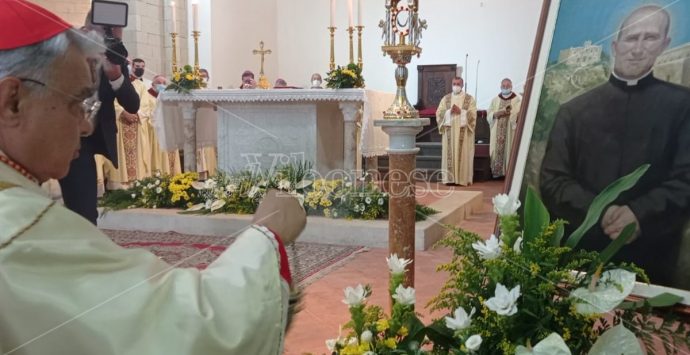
pixel 457 89
pixel 316 83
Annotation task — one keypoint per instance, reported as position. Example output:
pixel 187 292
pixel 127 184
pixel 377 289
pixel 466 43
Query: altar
pixel 259 129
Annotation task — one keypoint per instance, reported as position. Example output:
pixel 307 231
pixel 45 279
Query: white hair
pixel 36 61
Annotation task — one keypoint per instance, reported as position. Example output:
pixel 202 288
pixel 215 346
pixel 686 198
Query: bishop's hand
pixel 283 214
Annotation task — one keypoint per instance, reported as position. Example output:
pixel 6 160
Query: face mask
pixel 506 92
pixel 138 72
pixel 457 89
pixel 316 83
pixel 160 87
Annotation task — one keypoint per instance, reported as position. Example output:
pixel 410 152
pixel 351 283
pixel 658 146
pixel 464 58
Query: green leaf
pixel 603 200
pixel 536 216
pixel 664 300
pixel 617 244
pixel 558 234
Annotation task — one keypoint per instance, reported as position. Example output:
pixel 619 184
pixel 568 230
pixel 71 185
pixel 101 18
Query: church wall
pixel 499 33
pixel 73 11
pixel 237 27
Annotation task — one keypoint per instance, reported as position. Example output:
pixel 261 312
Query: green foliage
pixel 345 78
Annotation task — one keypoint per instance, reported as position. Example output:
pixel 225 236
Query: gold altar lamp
pixel 402 32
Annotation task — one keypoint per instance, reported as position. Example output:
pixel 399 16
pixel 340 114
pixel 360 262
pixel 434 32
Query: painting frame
pixel 534 84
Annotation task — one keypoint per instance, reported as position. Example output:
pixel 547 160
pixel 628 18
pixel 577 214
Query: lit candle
pixel 332 13
pixel 174 16
pixel 359 12
pixel 350 20
pixel 195 16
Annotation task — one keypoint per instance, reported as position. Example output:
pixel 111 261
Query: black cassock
pixel 608 132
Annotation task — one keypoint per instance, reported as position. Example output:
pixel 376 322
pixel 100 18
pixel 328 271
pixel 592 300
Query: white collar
pixel 631 82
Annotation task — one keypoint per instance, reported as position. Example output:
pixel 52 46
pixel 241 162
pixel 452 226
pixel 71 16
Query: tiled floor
pixel 324 312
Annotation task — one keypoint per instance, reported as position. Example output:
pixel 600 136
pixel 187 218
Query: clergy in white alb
pixel 457 118
pixel 65 287
pixel 502 117
pixel 161 161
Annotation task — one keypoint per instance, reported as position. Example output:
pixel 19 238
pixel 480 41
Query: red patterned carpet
pixel 184 250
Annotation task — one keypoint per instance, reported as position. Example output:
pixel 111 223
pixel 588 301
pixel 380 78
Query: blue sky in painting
pixel 598 21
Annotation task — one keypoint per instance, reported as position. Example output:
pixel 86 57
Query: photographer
pixel 79 190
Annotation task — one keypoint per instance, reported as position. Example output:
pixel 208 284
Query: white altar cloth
pixel 205 106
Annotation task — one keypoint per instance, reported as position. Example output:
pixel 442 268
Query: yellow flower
pixel 403 331
pixel 189 77
pixel 390 343
pixel 381 325
pixel 176 77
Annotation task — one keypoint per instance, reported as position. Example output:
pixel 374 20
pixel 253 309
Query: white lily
pixel 404 295
pixel 504 302
pixel 217 204
pixel 474 342
pixel 159 190
pixel 231 188
pixel 617 340
pixel 331 343
pixel 284 185
pixel 368 200
pixel 397 265
pixel 551 345
pixel 210 184
pixel 517 247
pixel 460 319
pixel 253 192
pixel 505 205
pixel 613 287
pixel 489 249
pixel 134 195
pixel 354 296
pixel 381 202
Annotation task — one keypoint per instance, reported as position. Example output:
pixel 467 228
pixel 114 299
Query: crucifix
pixel 263 53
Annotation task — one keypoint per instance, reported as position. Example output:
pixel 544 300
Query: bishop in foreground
pixel 66 288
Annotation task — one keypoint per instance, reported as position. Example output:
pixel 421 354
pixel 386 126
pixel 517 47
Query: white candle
pixel 174 16
pixel 359 12
pixel 350 20
pixel 332 13
pixel 195 16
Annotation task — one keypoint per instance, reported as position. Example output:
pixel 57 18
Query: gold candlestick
pixel 332 63
pixel 351 31
pixel 196 34
pixel 359 46
pixel 174 52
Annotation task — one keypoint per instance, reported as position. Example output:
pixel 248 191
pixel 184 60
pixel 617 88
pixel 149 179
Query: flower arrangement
pixel 185 80
pixel 371 331
pixel 241 193
pixel 519 294
pixel 345 77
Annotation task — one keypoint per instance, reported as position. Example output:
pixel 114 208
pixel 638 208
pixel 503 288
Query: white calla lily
pixel 197 207
pixel 397 265
pixel 551 345
pixel 217 204
pixel 405 295
pixel 198 185
pixel 488 249
pixel 303 184
pixel 504 302
pixel 460 319
pixel 505 205
pixel 613 287
pixel 517 247
pixel 355 296
pixel 617 340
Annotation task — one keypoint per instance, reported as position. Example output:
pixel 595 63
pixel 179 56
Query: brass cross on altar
pixel 262 52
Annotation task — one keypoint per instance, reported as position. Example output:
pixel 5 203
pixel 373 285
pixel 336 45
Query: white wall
pixel 500 33
pixel 205 44
pixel 237 27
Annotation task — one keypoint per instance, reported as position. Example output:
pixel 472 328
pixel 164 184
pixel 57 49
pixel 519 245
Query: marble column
pixel 189 119
pixel 402 153
pixel 351 113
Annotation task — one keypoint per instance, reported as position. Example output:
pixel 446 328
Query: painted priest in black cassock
pixel 608 132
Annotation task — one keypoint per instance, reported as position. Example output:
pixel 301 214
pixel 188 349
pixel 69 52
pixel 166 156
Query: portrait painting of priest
pixel 612 93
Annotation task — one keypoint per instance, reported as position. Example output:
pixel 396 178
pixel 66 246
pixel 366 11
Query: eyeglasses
pixel 89 106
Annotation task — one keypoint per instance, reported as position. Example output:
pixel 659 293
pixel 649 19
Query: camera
pixel 109 14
